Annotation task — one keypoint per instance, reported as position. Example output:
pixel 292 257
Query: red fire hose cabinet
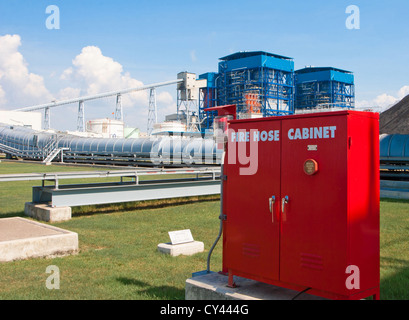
pixel 301 203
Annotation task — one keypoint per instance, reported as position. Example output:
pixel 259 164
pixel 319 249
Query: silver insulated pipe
pixel 26 143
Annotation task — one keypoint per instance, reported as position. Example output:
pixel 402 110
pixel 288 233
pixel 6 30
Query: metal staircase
pixel 51 156
pixel 51 150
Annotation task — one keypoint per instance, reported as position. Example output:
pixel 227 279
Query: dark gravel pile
pixel 395 120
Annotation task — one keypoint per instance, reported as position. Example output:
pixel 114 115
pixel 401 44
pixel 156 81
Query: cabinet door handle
pixel 272 201
pixel 284 201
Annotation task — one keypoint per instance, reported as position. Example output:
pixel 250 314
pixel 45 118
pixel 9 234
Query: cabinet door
pixel 251 243
pixel 314 218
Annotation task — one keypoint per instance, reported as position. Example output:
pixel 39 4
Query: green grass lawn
pixel 118 256
pixel 394 249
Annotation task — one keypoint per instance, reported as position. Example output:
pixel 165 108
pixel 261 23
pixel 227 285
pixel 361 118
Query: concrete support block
pixel 44 212
pixel 186 249
pixel 23 239
pixel 213 286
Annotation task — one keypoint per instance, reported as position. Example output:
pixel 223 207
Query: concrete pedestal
pixel 186 249
pixel 44 212
pixel 213 286
pixel 22 239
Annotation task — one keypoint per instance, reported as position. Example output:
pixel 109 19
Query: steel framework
pixel 257 85
pixel 81 109
pixel 119 115
pixel 207 99
pixel 152 113
pixel 190 182
pixel 324 87
pixel 319 93
pixel 95 194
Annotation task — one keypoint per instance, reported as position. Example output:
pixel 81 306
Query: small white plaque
pixel 312 147
pixel 181 236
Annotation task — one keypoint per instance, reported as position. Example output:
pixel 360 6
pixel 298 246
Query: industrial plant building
pixel 263 84
pixel 324 87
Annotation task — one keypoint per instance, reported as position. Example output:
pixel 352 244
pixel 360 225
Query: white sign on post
pixel 181 236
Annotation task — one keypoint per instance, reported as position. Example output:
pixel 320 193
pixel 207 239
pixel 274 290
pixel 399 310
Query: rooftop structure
pixel 258 83
pixel 324 87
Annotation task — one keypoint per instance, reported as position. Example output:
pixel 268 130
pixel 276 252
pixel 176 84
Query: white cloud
pixel 67 74
pixel 166 105
pixel 164 98
pixel 2 96
pixel 69 93
pixel 403 92
pixel 18 86
pixel 383 101
pixel 193 55
pixel 91 72
pixel 96 73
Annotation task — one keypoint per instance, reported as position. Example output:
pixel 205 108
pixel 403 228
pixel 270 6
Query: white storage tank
pixel 168 127
pixel 107 128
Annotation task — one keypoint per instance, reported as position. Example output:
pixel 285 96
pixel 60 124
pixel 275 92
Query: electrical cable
pixel 214 244
pixel 300 293
pixel 220 216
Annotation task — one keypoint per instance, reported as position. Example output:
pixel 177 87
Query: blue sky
pixel 154 40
